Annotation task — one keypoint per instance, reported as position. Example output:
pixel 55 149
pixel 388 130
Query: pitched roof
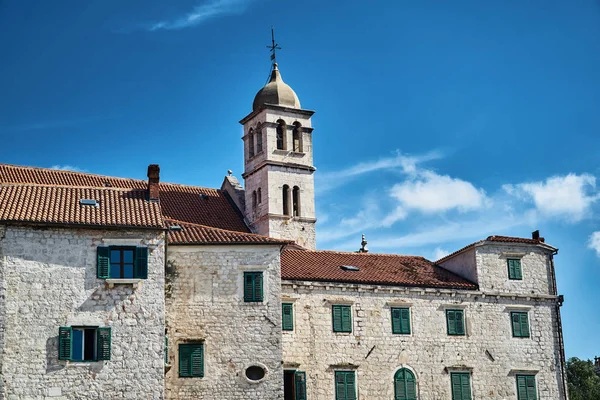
pixel 197 205
pixel 60 205
pixel 379 269
pixel 200 234
pixel 497 239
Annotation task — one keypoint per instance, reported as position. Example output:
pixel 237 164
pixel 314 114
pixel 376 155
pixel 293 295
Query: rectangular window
pixel 526 387
pixel 82 343
pixel 191 360
pixel 120 262
pixel 461 385
pixel 514 269
pixel 455 320
pixel 342 318
pixel 300 385
pixel 287 320
pixel 401 321
pixel 253 287
pixel 520 324
pixel 345 385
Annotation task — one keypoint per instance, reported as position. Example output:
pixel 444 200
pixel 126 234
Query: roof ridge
pixel 67 171
pixel 359 253
pixel 49 185
pixel 221 229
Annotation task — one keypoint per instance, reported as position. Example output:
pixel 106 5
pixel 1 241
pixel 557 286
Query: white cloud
pixel 439 253
pixel 430 193
pixel 594 242
pixel 67 168
pixel 568 196
pixel 201 13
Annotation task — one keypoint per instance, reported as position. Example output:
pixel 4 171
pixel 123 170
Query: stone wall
pixel 49 280
pixel 205 303
pixel 488 350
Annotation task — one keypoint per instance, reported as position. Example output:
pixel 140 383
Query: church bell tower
pixel 278 164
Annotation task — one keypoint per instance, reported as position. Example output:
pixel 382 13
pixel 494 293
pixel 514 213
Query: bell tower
pixel 278 164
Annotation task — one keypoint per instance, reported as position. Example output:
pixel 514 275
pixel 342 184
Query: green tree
pixel 583 382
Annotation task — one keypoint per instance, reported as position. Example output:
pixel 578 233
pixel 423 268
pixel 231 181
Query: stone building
pixel 118 288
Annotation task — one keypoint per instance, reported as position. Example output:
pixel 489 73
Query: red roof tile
pixel 200 234
pixel 498 239
pixel 377 269
pixel 193 204
pixel 60 205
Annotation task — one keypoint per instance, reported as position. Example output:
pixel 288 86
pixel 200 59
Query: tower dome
pixel 276 92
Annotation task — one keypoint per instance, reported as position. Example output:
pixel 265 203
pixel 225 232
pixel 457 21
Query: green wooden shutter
pixel 346 319
pixel 258 286
pixel 514 269
pixel 248 287
pixel 411 386
pixel 522 387
pixel 396 324
pixel 524 325
pixel 531 392
pixel 103 343
pixel 456 387
pixel 197 360
pixel 451 322
pixel 350 386
pixel 300 383
pixel 65 344
pixel 405 385
pixel 518 270
pixel 465 381
pixel 287 321
pixel 399 386
pixel 460 322
pixel 141 263
pixel 405 321
pixel 185 361
pixel 516 324
pixel 340 386
pixel 103 267
pixel 337 318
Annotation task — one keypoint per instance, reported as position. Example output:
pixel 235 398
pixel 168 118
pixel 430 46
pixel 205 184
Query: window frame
pixel 528 378
pixel 515 272
pixel 341 327
pixel 398 328
pixel 456 332
pixel 191 348
pixel 287 323
pixel 140 262
pixel 101 342
pixel 251 296
pixel 518 331
pixel 407 395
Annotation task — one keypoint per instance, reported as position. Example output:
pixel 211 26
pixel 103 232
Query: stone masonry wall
pixel 205 303
pixel 49 280
pixel 488 350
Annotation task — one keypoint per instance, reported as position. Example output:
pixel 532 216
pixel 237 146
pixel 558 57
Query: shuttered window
pixel 526 387
pixel 191 360
pixel 514 269
pixel 461 385
pixel 119 262
pixel 287 319
pixel 300 385
pixel 520 324
pixel 345 385
pixel 455 320
pixel 342 318
pixel 84 343
pixel 405 386
pixel 253 287
pixel 401 321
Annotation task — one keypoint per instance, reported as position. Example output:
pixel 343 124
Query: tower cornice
pixel 274 107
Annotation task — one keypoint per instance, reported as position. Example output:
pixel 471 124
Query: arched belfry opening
pixel 286 199
pixel 297 137
pixel 251 143
pixel 259 139
pixel 281 134
pixel 296 201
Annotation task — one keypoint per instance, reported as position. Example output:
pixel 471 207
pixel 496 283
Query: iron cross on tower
pixel 273 47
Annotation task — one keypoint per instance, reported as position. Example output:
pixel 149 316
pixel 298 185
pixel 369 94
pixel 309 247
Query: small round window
pixel 255 373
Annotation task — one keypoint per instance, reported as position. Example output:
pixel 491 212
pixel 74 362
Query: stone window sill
pixel 84 363
pixel 133 282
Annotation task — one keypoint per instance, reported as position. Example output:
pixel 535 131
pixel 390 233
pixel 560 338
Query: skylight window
pixel 88 202
pixel 175 228
pixel 350 268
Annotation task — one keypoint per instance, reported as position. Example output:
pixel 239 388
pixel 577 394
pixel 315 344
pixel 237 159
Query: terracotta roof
pixel 378 269
pixel 200 234
pixel 498 239
pixel 193 204
pixel 60 205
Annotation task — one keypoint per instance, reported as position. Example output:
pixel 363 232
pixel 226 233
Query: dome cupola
pixel 276 92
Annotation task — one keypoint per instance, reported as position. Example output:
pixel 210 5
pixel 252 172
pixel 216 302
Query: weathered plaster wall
pixel 49 280
pixel 376 354
pixel 205 302
pixel 463 264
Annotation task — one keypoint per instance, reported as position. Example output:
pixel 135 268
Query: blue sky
pixel 437 123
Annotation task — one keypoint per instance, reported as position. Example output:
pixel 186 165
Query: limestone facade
pixel 47 280
pixel 205 304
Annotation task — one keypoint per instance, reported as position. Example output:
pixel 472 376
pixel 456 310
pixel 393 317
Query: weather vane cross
pixel 273 47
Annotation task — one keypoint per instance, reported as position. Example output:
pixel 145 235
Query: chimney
pixel 153 180
pixel 536 236
pixel 363 245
